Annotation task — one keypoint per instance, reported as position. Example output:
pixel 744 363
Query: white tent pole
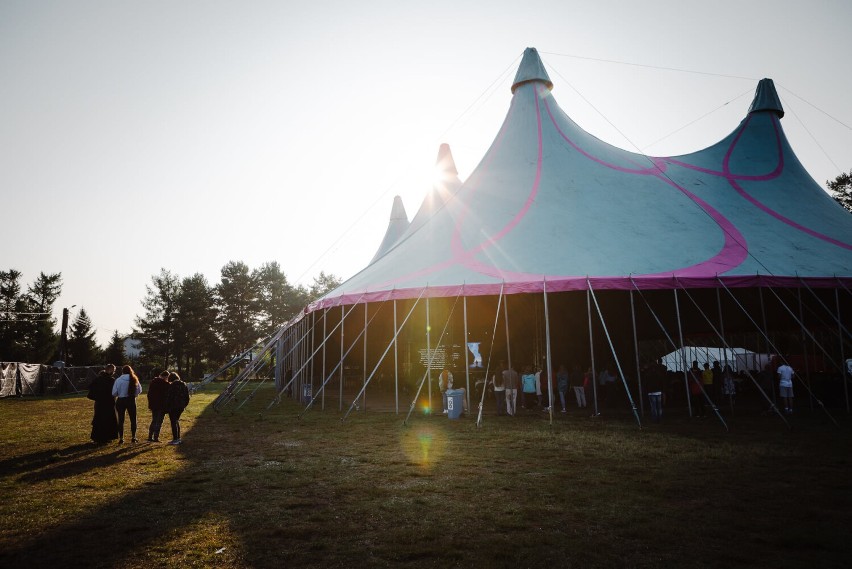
pixel 843 372
pixel 766 345
pixel 313 343
pixel 804 344
pixel 490 353
pixel 429 359
pixel 636 351
pixel 594 379
pixel 340 363
pixel 466 359
pixel 614 354
pixel 364 361
pixel 721 325
pixel 506 323
pixel 547 348
pixel 683 355
pixel 325 338
pixel 395 361
pixel 428 354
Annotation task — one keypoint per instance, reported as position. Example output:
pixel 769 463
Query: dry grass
pixel 265 489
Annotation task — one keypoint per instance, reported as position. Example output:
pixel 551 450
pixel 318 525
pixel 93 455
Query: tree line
pixel 186 323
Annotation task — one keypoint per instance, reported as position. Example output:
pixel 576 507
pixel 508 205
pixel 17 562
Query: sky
pixel 183 135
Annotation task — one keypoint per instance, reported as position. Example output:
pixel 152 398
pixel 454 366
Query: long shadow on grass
pixel 133 529
pixel 74 465
pixel 36 460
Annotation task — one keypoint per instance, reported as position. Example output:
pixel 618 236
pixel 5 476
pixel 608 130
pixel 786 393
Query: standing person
pixel 104 421
pixel 785 387
pixel 655 385
pixel 511 380
pixel 126 388
pixel 528 383
pixel 718 380
pixel 499 389
pixel 445 382
pixel 695 390
pixel 729 387
pixel 577 382
pixel 562 385
pixel 707 377
pixel 177 398
pixel 157 404
pixel 605 380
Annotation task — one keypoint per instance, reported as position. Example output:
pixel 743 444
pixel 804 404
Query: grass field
pixel 265 489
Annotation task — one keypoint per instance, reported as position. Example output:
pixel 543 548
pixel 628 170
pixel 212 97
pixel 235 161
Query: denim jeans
pixel 656 401
pixel 128 404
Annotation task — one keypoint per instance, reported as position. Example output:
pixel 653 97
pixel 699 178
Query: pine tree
pixel 82 348
pixel 114 353
pixel 195 321
pixel 12 323
pixel 278 300
pixel 42 340
pixel 841 186
pixel 156 329
pixel 237 300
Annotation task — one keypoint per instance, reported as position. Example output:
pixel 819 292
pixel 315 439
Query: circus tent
pixel 740 229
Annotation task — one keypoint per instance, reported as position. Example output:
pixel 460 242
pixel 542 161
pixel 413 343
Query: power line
pixel 650 66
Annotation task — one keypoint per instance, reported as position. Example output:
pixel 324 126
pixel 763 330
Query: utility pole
pixel 63 338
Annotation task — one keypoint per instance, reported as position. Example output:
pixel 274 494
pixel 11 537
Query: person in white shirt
pixel 126 388
pixel 785 386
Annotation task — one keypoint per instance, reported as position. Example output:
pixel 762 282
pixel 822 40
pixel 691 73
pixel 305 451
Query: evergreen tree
pixel 195 322
pixel 237 300
pixel 114 353
pixel 82 348
pixel 278 300
pixel 323 284
pixel 156 329
pixel 841 186
pixel 42 340
pixel 12 323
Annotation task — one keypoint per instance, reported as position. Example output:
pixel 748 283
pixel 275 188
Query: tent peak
pixel 766 98
pixel 445 162
pixel 531 69
pixel 398 210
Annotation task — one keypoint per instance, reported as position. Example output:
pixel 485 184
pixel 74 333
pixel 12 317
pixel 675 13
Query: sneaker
pixel 134 439
pixel 121 441
pixel 175 442
pixel 564 411
pixel 155 440
pixel 445 412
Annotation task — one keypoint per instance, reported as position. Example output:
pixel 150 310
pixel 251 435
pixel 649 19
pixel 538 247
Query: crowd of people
pixel 708 387
pixel 115 401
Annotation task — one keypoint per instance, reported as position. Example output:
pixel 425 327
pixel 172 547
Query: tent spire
pixel 445 162
pixel 531 69
pixel 766 98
